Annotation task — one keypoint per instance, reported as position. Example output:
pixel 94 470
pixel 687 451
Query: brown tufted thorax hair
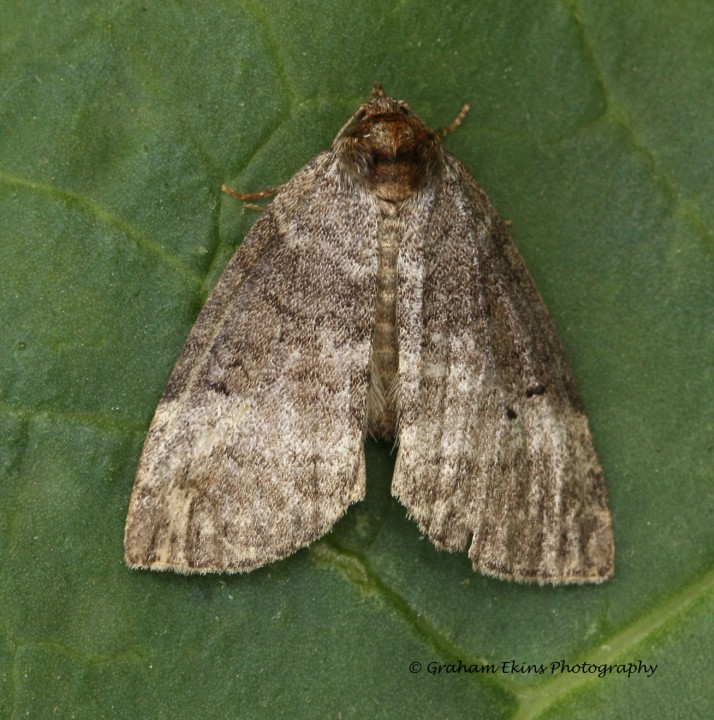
pixel 387 148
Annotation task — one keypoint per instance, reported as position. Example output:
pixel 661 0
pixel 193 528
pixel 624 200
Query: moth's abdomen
pixel 381 407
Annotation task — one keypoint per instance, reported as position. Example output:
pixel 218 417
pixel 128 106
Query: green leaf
pixel 591 132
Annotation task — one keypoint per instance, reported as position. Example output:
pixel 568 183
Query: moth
pixel 378 293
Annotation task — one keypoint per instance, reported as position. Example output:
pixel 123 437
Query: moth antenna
pixel 250 196
pixel 456 122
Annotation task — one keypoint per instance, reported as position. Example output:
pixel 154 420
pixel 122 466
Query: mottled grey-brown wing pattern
pixel 494 447
pixel 256 448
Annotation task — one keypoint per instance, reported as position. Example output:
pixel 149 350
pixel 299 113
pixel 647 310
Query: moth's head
pixel 387 148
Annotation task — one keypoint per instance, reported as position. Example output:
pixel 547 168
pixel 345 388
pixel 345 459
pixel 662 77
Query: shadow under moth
pixel 378 293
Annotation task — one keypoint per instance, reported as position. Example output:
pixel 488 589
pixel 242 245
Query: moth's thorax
pixel 392 153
